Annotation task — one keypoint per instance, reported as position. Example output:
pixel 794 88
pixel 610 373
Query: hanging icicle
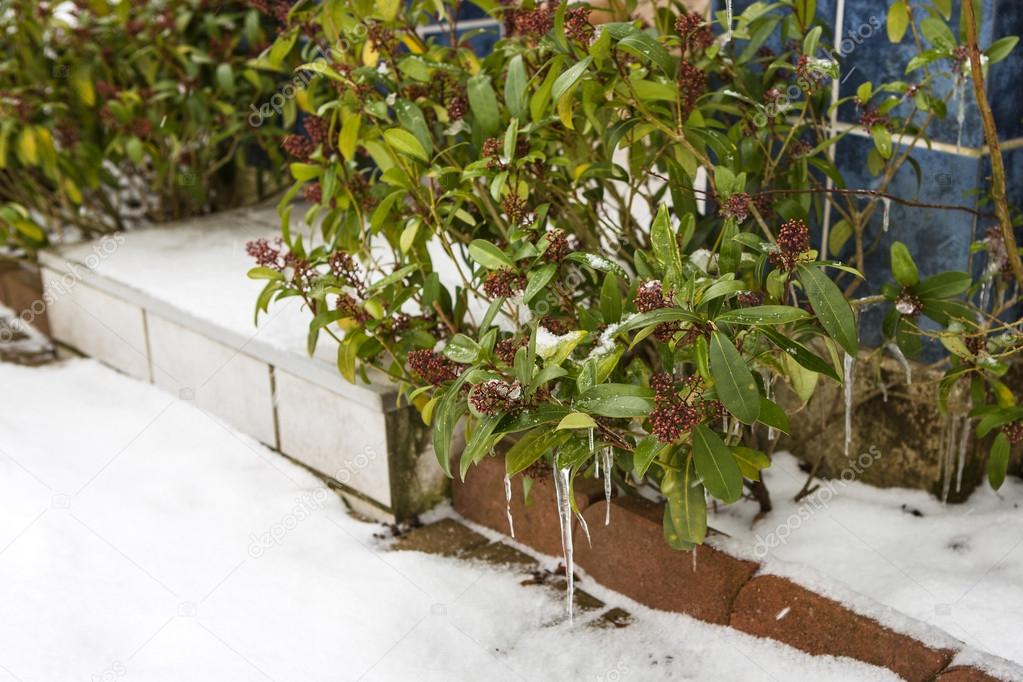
pixel 848 369
pixel 897 353
pixel 608 461
pixel 728 20
pixel 507 504
pixel 947 450
pixel 887 213
pixel 586 528
pixel 959 92
pixel 561 489
pixel 964 442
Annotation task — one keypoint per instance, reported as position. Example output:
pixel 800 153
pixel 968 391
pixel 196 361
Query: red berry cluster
pixel 514 207
pixel 1014 432
pixel 578 26
pixel 319 130
pixel 505 349
pixel 672 416
pixel 533 23
pixel 265 254
pixel 692 83
pixel 750 299
pixel 554 325
pixel 496 396
pixel 793 242
pixel 871 118
pixel 492 148
pixel 346 269
pixel 649 297
pixel 736 207
pixel 433 368
pixel 458 107
pixel 349 307
pixel 299 146
pixel 503 283
pixel 557 246
pixel 313 192
pixel 696 34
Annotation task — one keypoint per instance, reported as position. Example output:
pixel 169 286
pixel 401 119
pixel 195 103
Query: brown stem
pixel 994 149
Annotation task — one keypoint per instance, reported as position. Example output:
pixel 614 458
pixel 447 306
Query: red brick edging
pixel 631 557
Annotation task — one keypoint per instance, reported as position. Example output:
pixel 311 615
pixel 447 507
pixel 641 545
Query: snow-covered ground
pixel 141 539
pixel 959 567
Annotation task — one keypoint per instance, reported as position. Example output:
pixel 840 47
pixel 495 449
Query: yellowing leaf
pixel 370 57
pixel 349 136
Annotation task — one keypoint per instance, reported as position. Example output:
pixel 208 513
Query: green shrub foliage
pixel 596 236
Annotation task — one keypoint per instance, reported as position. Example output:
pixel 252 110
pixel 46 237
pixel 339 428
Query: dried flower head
pixel 909 304
pixel 692 83
pixel 578 26
pixel 557 245
pixel 1014 432
pixel 299 146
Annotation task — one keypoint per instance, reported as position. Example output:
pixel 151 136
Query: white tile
pixel 221 381
pixel 334 435
pixel 96 323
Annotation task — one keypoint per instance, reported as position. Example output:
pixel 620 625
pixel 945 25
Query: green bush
pixel 517 238
pixel 120 110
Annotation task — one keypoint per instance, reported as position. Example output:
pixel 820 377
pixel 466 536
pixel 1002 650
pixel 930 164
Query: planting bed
pixel 172 305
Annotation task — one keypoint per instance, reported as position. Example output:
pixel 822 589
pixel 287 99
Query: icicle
pixel 884 391
pixel 894 349
pixel 848 367
pixel 561 488
pixel 769 388
pixel 507 504
pixel 960 95
pixel 591 442
pixel 946 457
pixel 964 441
pixel 983 299
pixel 586 528
pixel 694 557
pixel 886 219
pixel 607 454
pixel 728 20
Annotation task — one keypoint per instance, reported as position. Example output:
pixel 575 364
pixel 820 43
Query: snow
pixel 953 567
pixel 141 538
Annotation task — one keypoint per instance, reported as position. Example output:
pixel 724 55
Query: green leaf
pixel 801 354
pixel 1001 48
pixel 483 103
pixel 903 267
pixel 405 143
pixel 998 461
pixel 898 21
pixel 488 255
pixel 664 244
pixel 569 78
pixel 750 461
pixel 644 45
pixel 515 87
pixel 576 420
pixel 480 442
pixel 732 379
pixel 225 78
pixel 772 415
pixel 655 317
pixel 882 140
pixel 646 452
pixel 542 97
pixel 938 33
pixel 446 414
pixel 462 349
pixel 944 285
pixel 716 465
pixel 348 351
pixel 763 314
pixel 610 299
pixel 687 503
pixel 531 447
pixel 538 279
pixel 831 307
pixel 617 400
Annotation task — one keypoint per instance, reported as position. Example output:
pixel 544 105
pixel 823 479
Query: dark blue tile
pixel 1006 95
